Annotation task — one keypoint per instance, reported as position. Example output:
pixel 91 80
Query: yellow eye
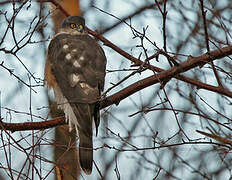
pixel 81 26
pixel 73 25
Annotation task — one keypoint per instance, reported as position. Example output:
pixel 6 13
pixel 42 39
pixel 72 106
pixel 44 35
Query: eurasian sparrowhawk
pixel 75 69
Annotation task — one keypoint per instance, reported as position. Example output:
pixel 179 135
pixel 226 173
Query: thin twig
pixel 207 42
pixel 138 11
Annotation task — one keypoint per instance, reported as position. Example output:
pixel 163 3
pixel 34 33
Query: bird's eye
pixel 72 25
pixel 81 26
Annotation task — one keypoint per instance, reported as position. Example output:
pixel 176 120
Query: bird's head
pixel 74 25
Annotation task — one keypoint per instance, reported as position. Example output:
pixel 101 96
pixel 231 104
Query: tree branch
pixel 207 42
pixel 32 125
pixel 106 42
pixel 192 62
pixel 162 76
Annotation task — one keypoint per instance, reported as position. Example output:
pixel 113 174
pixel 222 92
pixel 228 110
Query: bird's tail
pixel 86 152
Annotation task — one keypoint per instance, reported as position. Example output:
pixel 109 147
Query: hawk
pixel 75 69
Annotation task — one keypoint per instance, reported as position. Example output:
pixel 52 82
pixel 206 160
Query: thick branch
pixel 32 125
pixel 192 62
pixel 153 68
pixel 162 76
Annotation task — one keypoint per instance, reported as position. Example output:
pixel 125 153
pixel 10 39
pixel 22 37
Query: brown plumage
pixel 75 69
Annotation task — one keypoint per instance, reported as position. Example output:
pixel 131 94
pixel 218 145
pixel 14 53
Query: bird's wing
pixel 78 65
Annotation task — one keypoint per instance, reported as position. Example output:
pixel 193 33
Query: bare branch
pixel 192 62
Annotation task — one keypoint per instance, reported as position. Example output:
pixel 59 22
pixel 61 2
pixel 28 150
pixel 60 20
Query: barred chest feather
pixel 63 104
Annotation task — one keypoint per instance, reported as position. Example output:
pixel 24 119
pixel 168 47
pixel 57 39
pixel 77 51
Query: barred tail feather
pixel 86 153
